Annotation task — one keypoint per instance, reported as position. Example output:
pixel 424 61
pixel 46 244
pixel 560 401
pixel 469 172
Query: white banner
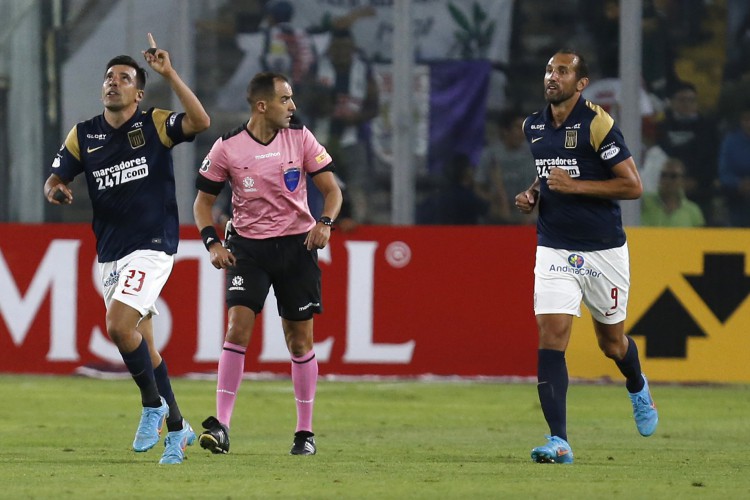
pixel 472 29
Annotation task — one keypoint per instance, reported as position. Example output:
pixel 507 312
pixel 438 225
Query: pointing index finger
pixel 152 45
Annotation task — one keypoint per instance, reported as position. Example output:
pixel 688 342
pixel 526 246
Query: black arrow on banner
pixel 667 326
pixel 723 285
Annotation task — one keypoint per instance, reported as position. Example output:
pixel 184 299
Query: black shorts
pixel 283 262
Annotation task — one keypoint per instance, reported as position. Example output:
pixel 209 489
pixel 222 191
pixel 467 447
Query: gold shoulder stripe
pixel 71 143
pixel 600 125
pixel 160 117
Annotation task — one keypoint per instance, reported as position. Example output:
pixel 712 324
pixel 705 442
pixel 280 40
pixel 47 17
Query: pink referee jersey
pixel 269 185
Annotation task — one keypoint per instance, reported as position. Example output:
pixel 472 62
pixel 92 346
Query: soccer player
pixel 125 155
pixel 274 241
pixel 583 166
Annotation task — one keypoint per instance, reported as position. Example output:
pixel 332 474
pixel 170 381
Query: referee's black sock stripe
pixel 237 351
pixel 305 361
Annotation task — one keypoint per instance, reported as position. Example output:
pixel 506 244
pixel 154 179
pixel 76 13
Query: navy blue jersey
pixel 588 145
pixel 130 178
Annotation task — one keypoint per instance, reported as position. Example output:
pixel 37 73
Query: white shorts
pixel 136 279
pixel 601 278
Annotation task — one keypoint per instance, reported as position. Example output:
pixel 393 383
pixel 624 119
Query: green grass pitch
pixel 70 437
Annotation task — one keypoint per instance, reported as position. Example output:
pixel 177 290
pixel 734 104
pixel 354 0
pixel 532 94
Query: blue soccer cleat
pixel 644 410
pixel 175 444
pixel 556 451
pixel 149 427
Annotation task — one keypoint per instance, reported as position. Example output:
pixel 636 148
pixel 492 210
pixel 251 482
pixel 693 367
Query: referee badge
pixel 291 178
pixel 571 139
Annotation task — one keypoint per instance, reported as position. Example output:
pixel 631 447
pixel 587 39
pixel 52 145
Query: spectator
pixel 687 134
pixel 505 168
pixel 220 53
pixel 686 20
pixel 658 54
pixel 345 101
pixel 668 206
pixel 606 92
pixel 737 39
pixel 280 47
pixel 733 98
pixel 455 202
pixel 653 161
pixel 657 64
pixel 734 171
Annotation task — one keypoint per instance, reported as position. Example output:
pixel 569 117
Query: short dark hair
pixel 281 11
pixel 457 167
pixel 680 86
pixel 507 116
pixel 262 86
pixel 140 73
pixel 582 69
pixel 341 33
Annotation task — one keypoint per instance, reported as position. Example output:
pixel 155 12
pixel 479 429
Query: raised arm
pixel 196 119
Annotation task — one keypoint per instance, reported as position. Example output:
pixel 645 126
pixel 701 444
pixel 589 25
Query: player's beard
pixel 558 97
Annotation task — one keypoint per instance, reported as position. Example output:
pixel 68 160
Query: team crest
pixel 136 138
pixel 292 177
pixel 571 139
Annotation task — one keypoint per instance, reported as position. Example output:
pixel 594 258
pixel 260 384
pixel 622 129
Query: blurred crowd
pixel 695 104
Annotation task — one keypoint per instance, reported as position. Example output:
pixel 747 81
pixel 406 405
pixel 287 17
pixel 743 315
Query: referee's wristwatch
pixel 326 220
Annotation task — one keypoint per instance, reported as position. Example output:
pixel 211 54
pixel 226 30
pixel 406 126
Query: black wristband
pixel 326 220
pixel 209 236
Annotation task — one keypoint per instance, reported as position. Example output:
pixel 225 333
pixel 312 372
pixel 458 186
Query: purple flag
pixel 458 102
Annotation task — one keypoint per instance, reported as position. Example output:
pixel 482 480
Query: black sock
pixel 630 366
pixel 139 365
pixel 174 419
pixel 552 377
